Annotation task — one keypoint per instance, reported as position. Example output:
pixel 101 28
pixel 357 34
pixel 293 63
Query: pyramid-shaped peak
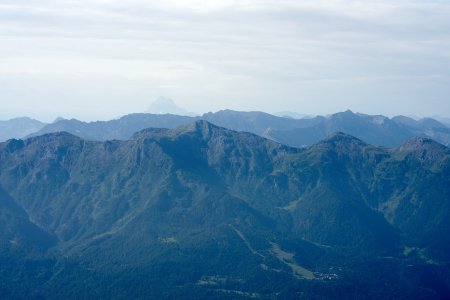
pixel 421 143
pixel 341 137
pixel 425 150
pixel 164 105
pixel 341 143
pixel 348 112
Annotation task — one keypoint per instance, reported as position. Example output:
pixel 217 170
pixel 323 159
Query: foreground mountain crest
pixel 203 211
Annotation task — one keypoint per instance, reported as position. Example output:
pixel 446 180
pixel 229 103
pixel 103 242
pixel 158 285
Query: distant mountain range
pixel 19 128
pixel 119 129
pixel 376 130
pixel 200 211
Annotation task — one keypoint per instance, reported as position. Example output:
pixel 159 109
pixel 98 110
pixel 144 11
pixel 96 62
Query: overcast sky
pixel 99 59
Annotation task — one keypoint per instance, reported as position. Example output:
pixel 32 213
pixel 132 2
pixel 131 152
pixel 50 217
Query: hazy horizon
pixel 101 59
pixel 286 113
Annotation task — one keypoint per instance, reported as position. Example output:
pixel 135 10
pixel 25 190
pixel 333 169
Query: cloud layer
pixel 102 58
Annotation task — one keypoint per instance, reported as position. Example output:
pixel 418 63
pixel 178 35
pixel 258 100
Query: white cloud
pixel 204 53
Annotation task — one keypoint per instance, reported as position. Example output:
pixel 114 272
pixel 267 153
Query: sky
pixel 100 59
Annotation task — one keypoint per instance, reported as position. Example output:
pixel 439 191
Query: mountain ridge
pixel 19 127
pixel 377 130
pixel 251 208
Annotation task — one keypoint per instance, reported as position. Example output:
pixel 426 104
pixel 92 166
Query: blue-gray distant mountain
pixel 293 115
pixel 443 120
pixel 119 129
pixel 373 129
pixel 426 127
pixel 257 122
pixel 19 128
pixel 376 130
pixel 164 105
pixel 200 211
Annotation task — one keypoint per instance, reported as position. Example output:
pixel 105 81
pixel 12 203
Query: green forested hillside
pixel 201 211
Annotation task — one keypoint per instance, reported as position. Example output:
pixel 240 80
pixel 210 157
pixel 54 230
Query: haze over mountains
pixel 203 211
pixel 377 130
pixel 227 205
pixel 312 201
pixel 19 128
pixel 164 105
